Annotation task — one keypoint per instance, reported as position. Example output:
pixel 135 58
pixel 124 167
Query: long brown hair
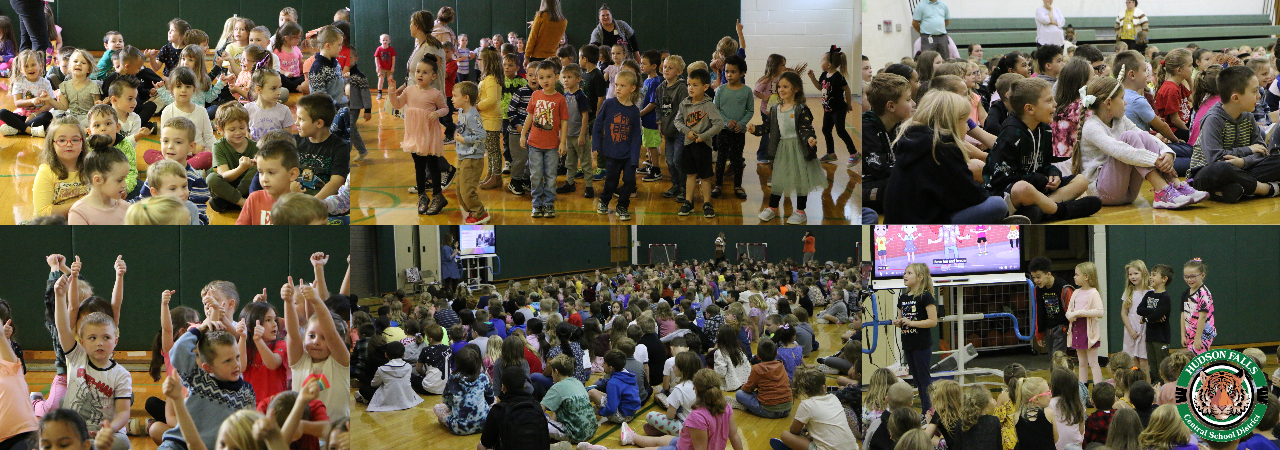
pixel 552 7
pixel 1176 58
pixel 924 64
pixel 1098 87
pixel 423 20
pixel 1206 85
pixel 1074 75
pixel 706 383
pixel 493 65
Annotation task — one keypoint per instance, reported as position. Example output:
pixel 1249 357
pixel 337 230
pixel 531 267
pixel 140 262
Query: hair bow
pixel 1162 62
pixel 1134 368
pixel 1195 259
pixel 263 63
pixel 1086 99
pixel 834 49
pixel 1224 65
pixel 785 327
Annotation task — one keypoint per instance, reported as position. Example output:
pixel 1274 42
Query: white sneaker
pixel 733 401
pixel 37 131
pixel 413 190
pixel 7 130
pixel 820 319
pixel 660 398
pixel 797 218
pixel 628 435
pixel 827 369
pixel 767 215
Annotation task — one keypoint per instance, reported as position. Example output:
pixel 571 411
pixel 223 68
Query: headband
pixel 264 63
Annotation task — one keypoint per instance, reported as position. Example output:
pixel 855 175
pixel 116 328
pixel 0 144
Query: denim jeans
pixel 542 170
pixel 751 402
pixel 918 365
pixel 675 144
pixel 869 216
pixel 990 211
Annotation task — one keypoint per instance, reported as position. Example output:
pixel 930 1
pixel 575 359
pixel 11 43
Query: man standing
pixel 931 20
pixel 808 247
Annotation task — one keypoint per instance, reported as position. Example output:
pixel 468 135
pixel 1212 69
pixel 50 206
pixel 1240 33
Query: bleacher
pixel 1003 35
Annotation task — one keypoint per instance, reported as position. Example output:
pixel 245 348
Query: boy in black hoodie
pixel 1020 166
pixel 891 103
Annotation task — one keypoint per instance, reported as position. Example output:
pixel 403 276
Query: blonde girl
pixel 877 397
pixel 1034 422
pixel 320 348
pixel 1116 156
pixel 1007 405
pixel 1197 312
pixel 1084 314
pixel 228 28
pixel 976 410
pixel 946 417
pixel 1138 283
pixel 78 93
pixel 32 97
pixel 59 180
pixel 158 210
pixel 917 313
pixel 106 168
pixel 1165 430
pixel 756 317
pixel 1173 99
pixel 491 84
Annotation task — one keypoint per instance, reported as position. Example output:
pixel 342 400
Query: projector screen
pixel 477 240
pixel 948 250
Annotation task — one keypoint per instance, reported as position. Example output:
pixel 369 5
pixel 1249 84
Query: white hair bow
pixel 1086 99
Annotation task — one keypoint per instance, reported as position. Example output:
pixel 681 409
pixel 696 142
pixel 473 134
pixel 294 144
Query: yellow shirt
pixel 50 190
pixel 490 94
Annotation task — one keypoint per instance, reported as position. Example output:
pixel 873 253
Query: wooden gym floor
pixel 380 196
pixel 1255 211
pixel 418 428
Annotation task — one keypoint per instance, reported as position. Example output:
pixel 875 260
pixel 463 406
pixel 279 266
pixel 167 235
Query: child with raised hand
pixel 1231 158
pixel 568 404
pixel 1154 309
pixel 734 102
pixel 712 417
pixel 549 111
pixel 318 350
pixel 791 146
pixel 216 389
pixel 837 99
pixel 423 106
pixel 78 93
pixel 1198 328
pixel 1020 165
pixel 106 169
pixel 99 389
pixel 1085 311
pixel 32 94
pixel 182 83
pixel 263 351
pixel 767 392
pixel 820 413
pixel 1116 156
pixel 65 428
pixel 20 420
pixel 467 395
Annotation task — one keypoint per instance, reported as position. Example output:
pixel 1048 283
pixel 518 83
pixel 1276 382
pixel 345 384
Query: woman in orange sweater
pixel 547 28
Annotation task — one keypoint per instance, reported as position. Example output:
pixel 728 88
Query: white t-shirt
pixel 682 397
pixel 825 419
pixel 337 399
pixel 666 369
pixel 93 391
pixel 642 354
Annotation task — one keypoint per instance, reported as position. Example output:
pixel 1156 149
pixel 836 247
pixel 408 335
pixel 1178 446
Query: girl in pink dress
pixel 423 107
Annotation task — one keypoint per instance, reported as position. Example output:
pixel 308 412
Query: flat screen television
pixel 477 240
pixel 955 254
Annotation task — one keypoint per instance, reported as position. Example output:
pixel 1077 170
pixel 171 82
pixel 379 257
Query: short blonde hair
pixel 329 34
pixel 697 65
pixel 237 430
pixel 676 61
pixel 164 168
pixel 184 124
pixel 158 210
pixel 298 209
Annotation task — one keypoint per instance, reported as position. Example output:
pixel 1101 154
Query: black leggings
pixel 12 119
pixel 801 201
pixel 729 147
pixel 155 407
pixel 425 166
pixel 291 83
pixel 835 119
pixel 32 28
pixel 20 441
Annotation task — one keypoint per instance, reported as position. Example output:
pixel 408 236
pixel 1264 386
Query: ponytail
pixel 707 384
pixel 157 357
pixel 1101 89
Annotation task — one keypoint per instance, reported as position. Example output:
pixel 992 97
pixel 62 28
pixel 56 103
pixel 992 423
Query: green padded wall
pixel 698 242
pixel 1244 275
pixel 698 24
pixel 529 251
pixel 160 258
pixel 145 23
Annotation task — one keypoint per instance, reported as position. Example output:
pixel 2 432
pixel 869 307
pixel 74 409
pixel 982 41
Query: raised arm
pixel 292 429
pixel 166 322
pixel 291 338
pixel 318 260
pixel 62 317
pixel 269 358
pixel 345 289
pixel 337 350
pixel 6 348
pixel 117 292
pixel 173 391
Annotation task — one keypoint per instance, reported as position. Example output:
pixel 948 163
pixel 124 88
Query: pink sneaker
pixel 628 435
pixel 1187 190
pixel 1170 198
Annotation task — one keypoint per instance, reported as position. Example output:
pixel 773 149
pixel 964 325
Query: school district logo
pixel 1222 395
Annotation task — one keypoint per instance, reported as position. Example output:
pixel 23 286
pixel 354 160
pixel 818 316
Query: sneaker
pixel 767 215
pixel 829 158
pixel 536 212
pixel 584 445
pixel 579 175
pixel 764 161
pixel 708 211
pixel 515 187
pixel 7 130
pixel 221 205
pixel 685 208
pixel 562 170
pixel 715 191
pixel 1087 206
pixel 1033 213
pixel 634 194
pixel 827 369
pixel 1016 220
pixel 450 142
pixel 628 435
pixel 437 204
pixel 37 131
pixel 1170 198
pixel 447 179
pixel 379 95
pixel 589 192
pixel 360 398
pixel 602 206
pixel 671 192
pixel 473 220
pixel 680 197
pixel 566 188
pixel 413 190
pixel 360 157
pixel 1198 196
pixel 1275 189
pixel 36 396
pixel 506 168
pixel 739 192
pixel 649 177
pixel 599 175
pixel 623 214
pixel 733 401
pixel 549 212
pixel 797 218
pixel 660 399
pixel 777 444
pixel 1230 193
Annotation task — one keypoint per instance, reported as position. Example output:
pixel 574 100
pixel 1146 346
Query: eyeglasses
pixel 66 142
pixel 1100 68
pixel 1192 277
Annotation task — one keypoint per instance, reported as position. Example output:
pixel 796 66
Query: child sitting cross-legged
pixel 711 417
pixel 277 166
pixel 392 380
pixel 574 420
pixel 767 392
pixel 820 413
pixel 620 399
pixel 1231 158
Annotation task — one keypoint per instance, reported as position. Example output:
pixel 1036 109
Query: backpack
pixel 524 426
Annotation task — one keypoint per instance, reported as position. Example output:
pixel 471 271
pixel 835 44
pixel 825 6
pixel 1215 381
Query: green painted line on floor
pixel 18 175
pixel 639 413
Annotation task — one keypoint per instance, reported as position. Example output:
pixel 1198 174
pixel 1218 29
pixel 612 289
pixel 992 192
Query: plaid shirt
pixel 1096 426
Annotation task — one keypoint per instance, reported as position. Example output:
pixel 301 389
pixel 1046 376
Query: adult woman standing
pixel 547 28
pixel 1049 24
pixel 441 31
pixel 610 32
pixel 32 25
pixel 808 246
pixel 449 262
pixel 423 27
pixel 1129 24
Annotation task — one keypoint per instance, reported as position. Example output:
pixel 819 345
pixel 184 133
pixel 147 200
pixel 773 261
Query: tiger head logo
pixel 1221 395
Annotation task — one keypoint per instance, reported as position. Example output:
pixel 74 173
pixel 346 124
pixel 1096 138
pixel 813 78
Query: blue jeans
pixel 990 211
pixel 541 380
pixel 674 146
pixel 918 366
pixel 869 217
pixel 542 174
pixel 751 402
